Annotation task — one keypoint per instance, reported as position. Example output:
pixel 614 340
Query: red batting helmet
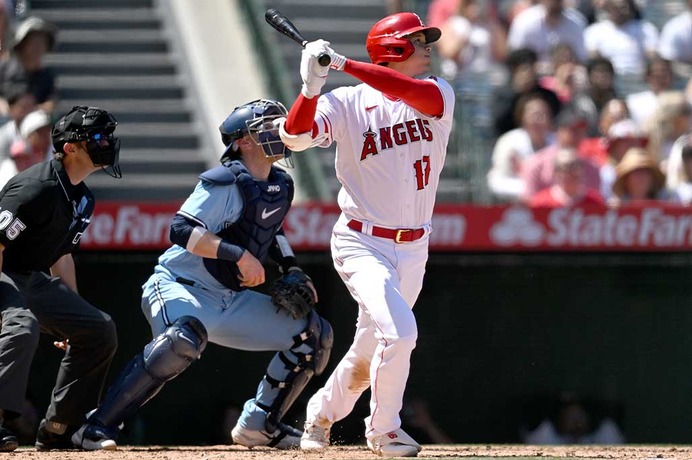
pixel 387 40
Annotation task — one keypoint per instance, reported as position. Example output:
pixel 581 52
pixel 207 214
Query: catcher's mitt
pixel 292 293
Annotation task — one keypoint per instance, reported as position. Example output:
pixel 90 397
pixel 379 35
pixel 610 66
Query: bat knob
pixel 324 60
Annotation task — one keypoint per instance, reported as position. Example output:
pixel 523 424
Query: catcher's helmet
pixel 95 126
pixel 387 40
pixel 256 118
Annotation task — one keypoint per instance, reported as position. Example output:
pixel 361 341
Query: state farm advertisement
pixel 145 226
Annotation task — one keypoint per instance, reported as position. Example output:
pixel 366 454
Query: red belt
pixel 401 235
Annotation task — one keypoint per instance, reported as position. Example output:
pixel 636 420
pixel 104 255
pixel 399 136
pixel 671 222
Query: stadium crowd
pixel 28 91
pixel 590 101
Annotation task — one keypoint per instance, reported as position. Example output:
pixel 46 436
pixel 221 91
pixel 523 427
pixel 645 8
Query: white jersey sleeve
pixel 448 97
pixel 331 115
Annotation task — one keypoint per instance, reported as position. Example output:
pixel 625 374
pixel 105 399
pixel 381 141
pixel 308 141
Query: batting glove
pixel 313 74
pixel 338 61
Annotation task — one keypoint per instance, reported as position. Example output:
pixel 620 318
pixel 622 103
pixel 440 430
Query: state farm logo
pixel 577 227
pixel 517 226
pixel 129 226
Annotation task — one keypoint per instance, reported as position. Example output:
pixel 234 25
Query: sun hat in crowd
pixel 34 24
pixel 33 122
pixel 637 158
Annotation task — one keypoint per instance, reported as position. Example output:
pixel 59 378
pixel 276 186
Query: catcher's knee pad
pixel 166 356
pixel 172 352
pixel 319 338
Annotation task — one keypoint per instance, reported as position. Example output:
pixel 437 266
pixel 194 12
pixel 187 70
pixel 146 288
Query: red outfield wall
pixel 142 226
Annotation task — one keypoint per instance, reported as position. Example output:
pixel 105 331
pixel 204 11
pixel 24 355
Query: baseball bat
pixel 282 24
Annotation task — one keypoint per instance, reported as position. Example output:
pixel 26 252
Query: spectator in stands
pixel 439 11
pixel 679 176
pixel 572 421
pixel 538 171
pixel 471 41
pixel 622 136
pixel 596 147
pixel 20 103
pixel 521 64
pixel 7 18
pixel 626 41
pixel 567 77
pixel 513 8
pixel 515 146
pixel 659 78
pixel 569 187
pixel 546 24
pixel 33 39
pixel 588 9
pixel 672 119
pixel 675 43
pixel 638 179
pixel 600 89
pixel 34 146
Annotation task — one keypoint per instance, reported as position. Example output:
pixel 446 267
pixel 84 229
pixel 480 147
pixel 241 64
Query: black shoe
pixel 8 441
pixel 47 440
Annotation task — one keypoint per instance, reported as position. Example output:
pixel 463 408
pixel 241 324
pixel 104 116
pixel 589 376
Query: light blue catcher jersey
pixel 214 207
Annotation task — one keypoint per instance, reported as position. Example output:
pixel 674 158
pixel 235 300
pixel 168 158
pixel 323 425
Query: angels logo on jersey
pixel 399 134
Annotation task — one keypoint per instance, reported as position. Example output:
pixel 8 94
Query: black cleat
pixel 47 440
pixel 8 441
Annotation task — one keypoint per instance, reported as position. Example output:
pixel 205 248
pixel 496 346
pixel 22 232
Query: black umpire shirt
pixel 42 217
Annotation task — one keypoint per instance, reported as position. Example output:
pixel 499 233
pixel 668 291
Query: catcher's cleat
pixel 8 441
pixel 394 444
pixel 285 437
pixel 94 437
pixel 314 437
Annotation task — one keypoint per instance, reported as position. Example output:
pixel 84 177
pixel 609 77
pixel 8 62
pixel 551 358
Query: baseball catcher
pixel 199 290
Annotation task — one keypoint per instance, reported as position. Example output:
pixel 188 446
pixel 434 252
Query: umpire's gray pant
pixel 35 302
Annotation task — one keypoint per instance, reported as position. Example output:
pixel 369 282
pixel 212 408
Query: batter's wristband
pixel 228 251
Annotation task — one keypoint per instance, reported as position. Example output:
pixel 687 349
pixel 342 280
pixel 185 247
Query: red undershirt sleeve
pixel 422 95
pixel 301 117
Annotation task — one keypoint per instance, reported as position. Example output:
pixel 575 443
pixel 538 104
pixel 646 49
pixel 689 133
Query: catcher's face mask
pixel 265 132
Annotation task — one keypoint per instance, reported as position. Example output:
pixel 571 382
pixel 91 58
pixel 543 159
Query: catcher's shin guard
pixel 319 337
pixel 166 356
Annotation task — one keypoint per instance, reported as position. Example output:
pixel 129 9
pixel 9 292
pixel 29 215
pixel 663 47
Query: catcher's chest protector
pixel 266 203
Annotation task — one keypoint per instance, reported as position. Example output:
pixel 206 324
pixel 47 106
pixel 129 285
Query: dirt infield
pixel 360 452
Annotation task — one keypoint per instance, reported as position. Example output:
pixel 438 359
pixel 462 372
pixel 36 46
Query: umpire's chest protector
pixel 265 204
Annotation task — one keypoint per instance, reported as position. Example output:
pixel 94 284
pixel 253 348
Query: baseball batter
pixel 391 134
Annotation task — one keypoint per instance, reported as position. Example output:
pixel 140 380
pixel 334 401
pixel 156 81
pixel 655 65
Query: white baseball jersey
pixel 388 156
pixel 388 160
